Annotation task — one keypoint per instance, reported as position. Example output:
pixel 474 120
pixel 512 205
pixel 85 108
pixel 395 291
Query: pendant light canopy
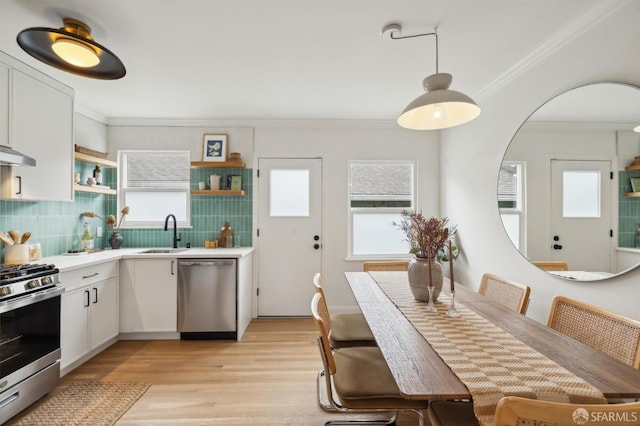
pixel 72 49
pixel 440 107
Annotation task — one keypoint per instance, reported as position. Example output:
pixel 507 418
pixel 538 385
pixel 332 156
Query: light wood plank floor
pixel 268 378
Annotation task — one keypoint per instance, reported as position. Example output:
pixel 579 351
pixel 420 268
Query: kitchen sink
pixel 156 251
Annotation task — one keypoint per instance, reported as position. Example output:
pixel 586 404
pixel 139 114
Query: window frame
pixel 351 211
pixel 123 190
pixel 521 209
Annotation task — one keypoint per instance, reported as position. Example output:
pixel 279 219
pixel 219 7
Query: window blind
pixel 157 169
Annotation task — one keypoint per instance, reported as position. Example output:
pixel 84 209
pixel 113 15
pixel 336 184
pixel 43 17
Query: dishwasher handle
pixel 206 262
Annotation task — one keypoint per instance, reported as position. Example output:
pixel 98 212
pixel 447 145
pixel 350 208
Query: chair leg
pixel 325 404
pixel 322 396
pixel 390 422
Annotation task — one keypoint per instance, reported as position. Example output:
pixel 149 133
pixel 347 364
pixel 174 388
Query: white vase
pixel 419 278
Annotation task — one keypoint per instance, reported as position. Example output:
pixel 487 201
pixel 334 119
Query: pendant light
pixel 72 49
pixel 440 107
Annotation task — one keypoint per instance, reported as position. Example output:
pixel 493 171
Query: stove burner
pixel 12 273
pixel 26 278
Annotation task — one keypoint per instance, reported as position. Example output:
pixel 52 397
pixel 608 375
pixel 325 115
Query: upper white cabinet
pixel 4 104
pixel 39 113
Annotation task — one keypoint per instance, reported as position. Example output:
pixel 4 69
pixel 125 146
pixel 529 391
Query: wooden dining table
pixel 421 373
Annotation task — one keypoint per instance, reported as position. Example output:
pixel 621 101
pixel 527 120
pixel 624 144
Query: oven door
pixel 29 335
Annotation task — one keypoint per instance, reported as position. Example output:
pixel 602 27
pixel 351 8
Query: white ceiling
pixel 294 59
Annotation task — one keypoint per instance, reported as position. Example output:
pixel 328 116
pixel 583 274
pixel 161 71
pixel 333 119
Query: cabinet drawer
pixel 89 275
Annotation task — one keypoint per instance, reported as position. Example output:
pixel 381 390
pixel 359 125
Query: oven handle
pixel 31 298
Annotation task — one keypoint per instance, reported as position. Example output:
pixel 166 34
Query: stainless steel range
pixel 29 335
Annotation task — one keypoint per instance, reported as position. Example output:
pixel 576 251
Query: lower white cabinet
pixel 149 296
pixel 89 315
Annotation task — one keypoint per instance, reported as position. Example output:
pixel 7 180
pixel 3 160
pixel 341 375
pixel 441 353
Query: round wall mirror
pixel 569 183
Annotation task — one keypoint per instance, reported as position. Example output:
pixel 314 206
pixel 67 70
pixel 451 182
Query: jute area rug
pixel 84 404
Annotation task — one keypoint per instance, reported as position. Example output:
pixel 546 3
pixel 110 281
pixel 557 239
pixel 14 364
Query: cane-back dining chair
pixel 357 380
pixel 551 265
pixel 517 411
pixel 613 334
pixel 347 330
pixel 509 294
pixel 385 266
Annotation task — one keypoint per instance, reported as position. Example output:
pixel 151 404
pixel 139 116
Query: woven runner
pixel 84 404
pixel 491 362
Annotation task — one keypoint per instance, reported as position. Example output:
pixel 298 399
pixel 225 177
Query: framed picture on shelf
pixel 635 184
pixel 214 148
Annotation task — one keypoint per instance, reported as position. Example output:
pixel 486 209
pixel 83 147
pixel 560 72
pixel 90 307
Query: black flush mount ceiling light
pixel 72 49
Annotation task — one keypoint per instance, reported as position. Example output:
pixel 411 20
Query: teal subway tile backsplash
pixel 58 225
pixel 628 210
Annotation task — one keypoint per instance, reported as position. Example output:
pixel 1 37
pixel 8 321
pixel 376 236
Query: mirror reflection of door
pixel 592 122
pixel 290 231
pixel 580 195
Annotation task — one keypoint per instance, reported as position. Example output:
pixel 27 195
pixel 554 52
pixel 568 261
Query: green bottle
pixel 87 237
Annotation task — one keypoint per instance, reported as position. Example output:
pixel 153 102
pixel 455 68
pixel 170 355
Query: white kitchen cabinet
pixel 40 125
pixel 74 325
pixel 4 104
pixel 149 296
pixel 104 316
pixel 90 312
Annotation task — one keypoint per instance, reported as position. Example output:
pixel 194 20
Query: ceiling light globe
pixel 76 53
pixel 439 108
pixel 636 129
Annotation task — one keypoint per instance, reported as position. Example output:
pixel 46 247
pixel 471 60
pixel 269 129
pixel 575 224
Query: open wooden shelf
pixel 632 194
pixel 216 192
pixel 213 164
pixel 95 160
pixel 93 189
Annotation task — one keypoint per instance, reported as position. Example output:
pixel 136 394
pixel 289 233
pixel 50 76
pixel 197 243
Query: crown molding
pixel 90 114
pixel 574 126
pixel 296 124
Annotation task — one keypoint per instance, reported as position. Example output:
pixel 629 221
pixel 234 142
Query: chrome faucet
pixel 175 237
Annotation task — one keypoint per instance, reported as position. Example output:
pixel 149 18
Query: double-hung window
pixel 154 184
pixel 511 202
pixel 378 192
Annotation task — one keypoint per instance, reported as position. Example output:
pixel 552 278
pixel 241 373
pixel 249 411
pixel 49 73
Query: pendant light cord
pixel 434 33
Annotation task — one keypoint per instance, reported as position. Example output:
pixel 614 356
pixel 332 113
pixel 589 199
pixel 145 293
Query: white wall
pixel 471 157
pixel 180 134
pixel 337 144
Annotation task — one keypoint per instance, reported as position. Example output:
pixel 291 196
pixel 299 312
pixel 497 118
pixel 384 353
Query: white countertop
pixel 67 263
pixel 628 249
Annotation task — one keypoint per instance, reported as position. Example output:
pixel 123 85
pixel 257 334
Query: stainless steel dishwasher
pixel 207 298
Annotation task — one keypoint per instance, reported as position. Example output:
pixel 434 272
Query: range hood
pixel 11 157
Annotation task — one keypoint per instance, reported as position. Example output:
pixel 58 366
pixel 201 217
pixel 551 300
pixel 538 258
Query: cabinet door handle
pixel 19 185
pixel 172 262
pixel 86 293
pixel 95 295
pixel 84 277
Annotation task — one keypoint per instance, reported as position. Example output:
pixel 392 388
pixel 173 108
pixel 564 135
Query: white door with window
pixel 289 234
pixel 580 225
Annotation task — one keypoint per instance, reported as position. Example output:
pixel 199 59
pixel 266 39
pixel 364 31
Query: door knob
pixel 556 238
pixel 316 246
pixel 316 237
pixel 557 247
